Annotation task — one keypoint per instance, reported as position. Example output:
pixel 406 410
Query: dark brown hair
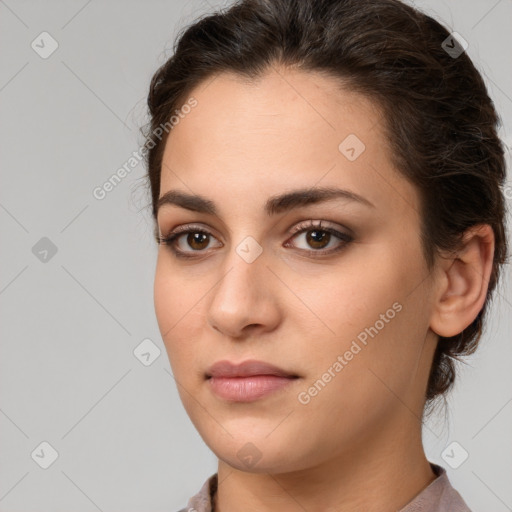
pixel 439 119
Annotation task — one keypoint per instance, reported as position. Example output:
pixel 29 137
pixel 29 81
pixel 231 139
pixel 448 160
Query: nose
pixel 245 299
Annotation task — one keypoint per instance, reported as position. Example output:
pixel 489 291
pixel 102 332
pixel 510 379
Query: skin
pixel 356 445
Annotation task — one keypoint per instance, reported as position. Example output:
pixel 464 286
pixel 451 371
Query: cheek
pixel 175 313
pixel 165 299
pixel 176 295
pixel 369 317
pixel 352 384
pixel 343 304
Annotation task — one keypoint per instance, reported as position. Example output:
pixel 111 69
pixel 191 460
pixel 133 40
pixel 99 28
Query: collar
pixel 438 496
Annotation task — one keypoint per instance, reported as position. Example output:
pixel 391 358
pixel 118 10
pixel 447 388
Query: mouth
pixel 250 368
pixel 249 381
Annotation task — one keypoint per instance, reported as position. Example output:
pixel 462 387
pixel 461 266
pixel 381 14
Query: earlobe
pixel 464 282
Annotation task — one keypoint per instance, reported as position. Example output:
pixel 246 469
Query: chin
pixel 255 450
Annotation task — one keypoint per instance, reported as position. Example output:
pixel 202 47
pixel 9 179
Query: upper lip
pixel 245 369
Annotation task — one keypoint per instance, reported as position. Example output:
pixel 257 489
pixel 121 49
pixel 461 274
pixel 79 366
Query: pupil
pixel 196 238
pixel 317 237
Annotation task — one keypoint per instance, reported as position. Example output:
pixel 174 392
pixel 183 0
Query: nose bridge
pixel 244 270
pixel 242 296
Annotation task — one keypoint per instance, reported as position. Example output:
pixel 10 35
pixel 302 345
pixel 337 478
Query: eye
pixel 197 238
pixel 319 237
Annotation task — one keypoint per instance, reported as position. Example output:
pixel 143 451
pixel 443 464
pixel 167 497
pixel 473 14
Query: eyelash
pixel 301 228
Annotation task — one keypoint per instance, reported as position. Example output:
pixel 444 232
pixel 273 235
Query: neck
pixel 383 470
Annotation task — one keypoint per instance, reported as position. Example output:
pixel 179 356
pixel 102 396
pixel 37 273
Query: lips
pixel 248 381
pixel 227 369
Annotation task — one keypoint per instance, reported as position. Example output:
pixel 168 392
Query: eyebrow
pixel 275 204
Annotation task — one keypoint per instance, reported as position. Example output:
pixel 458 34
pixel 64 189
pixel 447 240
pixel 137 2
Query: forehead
pixel 284 102
pixel 287 129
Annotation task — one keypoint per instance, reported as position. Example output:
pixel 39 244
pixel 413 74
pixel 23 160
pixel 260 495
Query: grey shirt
pixel 438 496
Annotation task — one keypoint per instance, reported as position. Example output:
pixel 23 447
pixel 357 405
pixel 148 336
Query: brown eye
pixel 318 238
pixel 186 241
pixel 196 240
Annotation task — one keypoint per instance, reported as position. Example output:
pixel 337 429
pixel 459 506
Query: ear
pixel 463 282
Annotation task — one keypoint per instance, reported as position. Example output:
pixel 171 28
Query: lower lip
pixel 247 389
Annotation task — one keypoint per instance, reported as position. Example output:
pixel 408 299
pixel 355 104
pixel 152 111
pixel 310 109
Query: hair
pixel 438 118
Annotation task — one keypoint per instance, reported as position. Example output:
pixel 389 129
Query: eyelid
pixel 344 238
pixel 311 223
pixel 184 228
pixel 300 228
pixel 320 225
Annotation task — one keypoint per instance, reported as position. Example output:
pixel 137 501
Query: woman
pixel 325 180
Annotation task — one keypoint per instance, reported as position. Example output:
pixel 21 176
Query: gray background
pixel 70 324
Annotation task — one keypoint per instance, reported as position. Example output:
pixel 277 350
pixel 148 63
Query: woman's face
pixel 347 314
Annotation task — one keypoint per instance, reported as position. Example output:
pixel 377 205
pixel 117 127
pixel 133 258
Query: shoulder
pixel 202 501
pixel 450 499
pixel 438 496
